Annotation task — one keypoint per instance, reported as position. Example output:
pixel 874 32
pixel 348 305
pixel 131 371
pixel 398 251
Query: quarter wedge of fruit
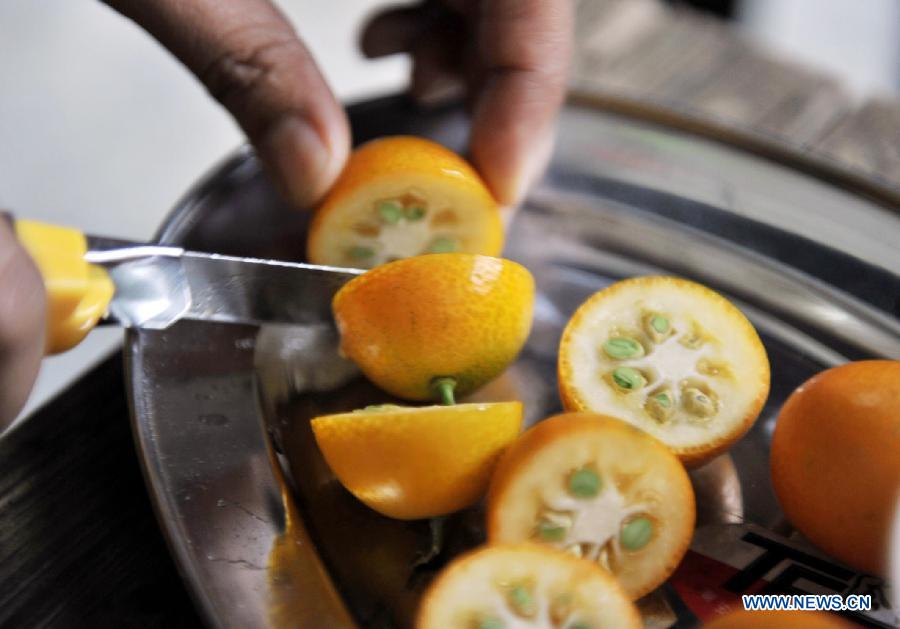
pixel 669 356
pixel 404 196
pixel 411 463
pixel 431 326
pixel 505 587
pixel 597 488
pixel 835 461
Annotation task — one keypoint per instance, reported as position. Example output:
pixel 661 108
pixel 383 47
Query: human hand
pixel 22 324
pixel 510 56
pixel 248 56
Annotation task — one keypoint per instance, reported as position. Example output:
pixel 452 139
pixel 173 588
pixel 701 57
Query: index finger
pixel 248 56
pixel 525 48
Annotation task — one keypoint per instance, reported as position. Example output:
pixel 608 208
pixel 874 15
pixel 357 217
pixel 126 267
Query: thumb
pixel 249 58
pixel 22 323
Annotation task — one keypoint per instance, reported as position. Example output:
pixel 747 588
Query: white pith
pixel 342 231
pixel 668 364
pixel 596 521
pixel 404 239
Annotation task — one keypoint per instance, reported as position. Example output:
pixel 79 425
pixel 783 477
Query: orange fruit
pixel 670 356
pixel 414 324
pixel 835 460
pixel 797 619
pixel 411 463
pixel 404 196
pixel 524 586
pixel 597 488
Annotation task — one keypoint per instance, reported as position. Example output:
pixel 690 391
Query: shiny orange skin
pixel 413 463
pixel 455 315
pixel 743 619
pixel 400 162
pixel 835 460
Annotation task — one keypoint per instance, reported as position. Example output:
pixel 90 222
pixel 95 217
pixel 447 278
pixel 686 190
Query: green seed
pixel 521 601
pixel 579 625
pixel 390 212
pixel 414 213
pixel 584 483
pixel 659 323
pixel 443 245
pixel 628 378
pixel 660 406
pixel 490 623
pixel 636 534
pixel 698 403
pixel 550 532
pixel 552 526
pixel 361 253
pixel 623 347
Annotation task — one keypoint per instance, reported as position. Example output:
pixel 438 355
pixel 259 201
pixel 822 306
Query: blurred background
pixel 101 129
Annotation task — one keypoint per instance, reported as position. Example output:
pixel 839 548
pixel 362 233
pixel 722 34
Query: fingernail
pixel 525 163
pixel 534 163
pixel 303 165
pixel 440 89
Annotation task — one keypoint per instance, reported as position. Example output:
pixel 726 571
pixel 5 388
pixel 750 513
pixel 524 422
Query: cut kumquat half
pixel 404 196
pixel 411 463
pixel 509 586
pixel 435 326
pixel 669 356
pixel 599 489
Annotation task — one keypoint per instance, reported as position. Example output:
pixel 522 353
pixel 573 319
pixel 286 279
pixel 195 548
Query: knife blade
pixel 158 285
pixel 90 279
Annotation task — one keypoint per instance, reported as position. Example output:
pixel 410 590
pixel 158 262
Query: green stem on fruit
pixel 436 535
pixel 445 388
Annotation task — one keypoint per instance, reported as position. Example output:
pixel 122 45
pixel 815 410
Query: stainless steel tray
pixel 264 535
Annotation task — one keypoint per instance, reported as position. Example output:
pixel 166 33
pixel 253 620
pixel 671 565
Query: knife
pixel 149 286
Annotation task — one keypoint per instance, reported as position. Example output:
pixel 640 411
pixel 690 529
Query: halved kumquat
pixel 597 488
pixel 404 196
pixel 411 463
pixel 506 586
pixel 669 356
pixel 435 326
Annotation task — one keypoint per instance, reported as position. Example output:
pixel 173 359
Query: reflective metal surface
pixel 159 285
pixel 264 534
